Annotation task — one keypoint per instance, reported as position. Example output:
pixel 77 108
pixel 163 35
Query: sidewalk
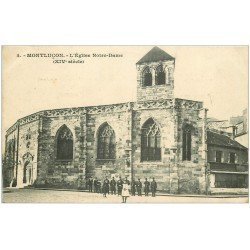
pixel 213 195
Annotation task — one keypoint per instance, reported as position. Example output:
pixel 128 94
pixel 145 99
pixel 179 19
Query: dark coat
pixel 105 186
pixel 112 183
pixel 153 186
pixel 139 185
pixel 146 186
pixel 119 184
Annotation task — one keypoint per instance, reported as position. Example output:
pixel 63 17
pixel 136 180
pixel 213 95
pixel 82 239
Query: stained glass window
pixel 106 143
pixel 150 142
pixel 64 144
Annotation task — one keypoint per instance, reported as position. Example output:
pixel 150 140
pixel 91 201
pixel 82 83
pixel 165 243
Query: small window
pixel 232 157
pixel 187 143
pixel 146 77
pixel 218 156
pixel 160 76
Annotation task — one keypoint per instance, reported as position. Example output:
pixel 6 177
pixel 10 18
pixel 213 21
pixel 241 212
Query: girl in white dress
pixel 125 191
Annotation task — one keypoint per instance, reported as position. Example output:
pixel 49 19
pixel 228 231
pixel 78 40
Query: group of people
pixel 122 187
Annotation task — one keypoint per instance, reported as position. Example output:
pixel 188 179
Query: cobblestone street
pixel 57 196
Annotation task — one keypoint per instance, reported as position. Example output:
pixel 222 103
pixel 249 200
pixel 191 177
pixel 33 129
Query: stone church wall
pixel 159 170
pixel 60 173
pixel 191 174
pixel 9 166
pixel 27 151
pixel 120 122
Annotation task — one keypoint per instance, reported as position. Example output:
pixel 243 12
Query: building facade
pixel 241 127
pixel 157 136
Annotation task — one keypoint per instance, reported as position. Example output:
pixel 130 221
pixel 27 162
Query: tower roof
pixel 154 55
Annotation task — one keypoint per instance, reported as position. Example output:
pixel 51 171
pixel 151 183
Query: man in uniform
pixel 105 187
pixel 133 187
pixel 127 181
pixel 153 187
pixel 146 187
pixel 113 186
pixel 99 186
pixel 95 185
pixel 90 184
pixel 139 187
pixel 119 186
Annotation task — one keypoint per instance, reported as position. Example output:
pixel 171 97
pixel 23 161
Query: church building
pixel 157 136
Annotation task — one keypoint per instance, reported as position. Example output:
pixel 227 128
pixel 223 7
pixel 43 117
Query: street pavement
pixel 11 195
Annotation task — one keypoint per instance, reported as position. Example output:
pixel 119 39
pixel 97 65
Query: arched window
pixel 64 144
pixel 106 143
pixel 150 141
pixel 160 75
pixel 146 77
pixel 186 143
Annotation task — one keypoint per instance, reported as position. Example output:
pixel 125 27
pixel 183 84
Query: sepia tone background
pixel 217 75
pixel 171 22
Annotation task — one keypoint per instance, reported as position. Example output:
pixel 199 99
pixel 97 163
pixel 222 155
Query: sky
pixel 218 76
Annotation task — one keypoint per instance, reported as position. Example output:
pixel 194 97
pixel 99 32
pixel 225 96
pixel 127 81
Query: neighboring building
pixel 227 161
pixel 241 127
pixel 157 136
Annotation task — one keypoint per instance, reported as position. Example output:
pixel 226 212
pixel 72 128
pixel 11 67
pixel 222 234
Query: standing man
pixel 99 184
pixel 139 187
pixel 146 187
pixel 113 186
pixel 153 187
pixel 90 184
pixel 133 187
pixel 105 187
pixel 127 181
pixel 119 186
pixel 95 185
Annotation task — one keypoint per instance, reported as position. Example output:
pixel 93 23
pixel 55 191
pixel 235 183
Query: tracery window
pixel 64 144
pixel 150 141
pixel 146 77
pixel 106 143
pixel 186 143
pixel 160 76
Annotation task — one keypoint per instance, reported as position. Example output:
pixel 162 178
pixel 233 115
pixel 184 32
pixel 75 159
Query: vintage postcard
pixel 125 124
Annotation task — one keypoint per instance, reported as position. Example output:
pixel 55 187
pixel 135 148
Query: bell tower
pixel 155 76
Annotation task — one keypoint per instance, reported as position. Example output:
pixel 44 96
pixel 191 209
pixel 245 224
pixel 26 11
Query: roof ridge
pixel 154 55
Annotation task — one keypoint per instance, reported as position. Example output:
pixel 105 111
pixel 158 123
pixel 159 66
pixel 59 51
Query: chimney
pixel 233 132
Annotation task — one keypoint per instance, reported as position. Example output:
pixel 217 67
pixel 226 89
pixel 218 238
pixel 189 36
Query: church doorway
pixel 27 173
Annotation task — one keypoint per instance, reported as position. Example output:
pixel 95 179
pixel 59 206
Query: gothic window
pixel 146 77
pixel 160 75
pixel 186 143
pixel 106 143
pixel 150 141
pixel 64 144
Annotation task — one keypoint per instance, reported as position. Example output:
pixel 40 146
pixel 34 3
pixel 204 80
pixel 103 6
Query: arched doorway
pixel 27 173
pixel 27 169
